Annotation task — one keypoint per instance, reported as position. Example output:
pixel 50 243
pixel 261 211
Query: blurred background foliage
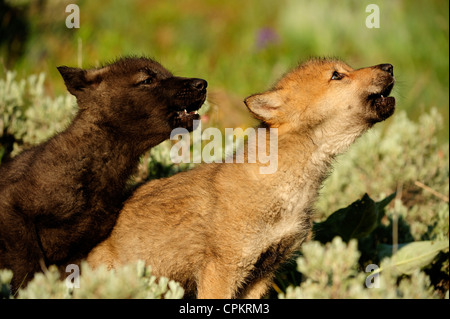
pixel 242 47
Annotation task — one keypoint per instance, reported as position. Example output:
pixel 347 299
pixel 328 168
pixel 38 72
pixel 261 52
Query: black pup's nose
pixel 389 68
pixel 199 84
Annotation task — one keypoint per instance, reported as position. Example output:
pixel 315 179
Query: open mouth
pixel 185 116
pixel 382 103
pixel 190 112
pixel 381 97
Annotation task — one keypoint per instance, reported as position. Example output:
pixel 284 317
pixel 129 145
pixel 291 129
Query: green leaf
pixel 410 256
pixel 355 221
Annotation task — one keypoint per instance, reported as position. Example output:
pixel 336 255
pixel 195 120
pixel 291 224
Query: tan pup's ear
pixel 265 105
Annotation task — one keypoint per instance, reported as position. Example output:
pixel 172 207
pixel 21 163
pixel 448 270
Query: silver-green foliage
pixel 5 278
pixel 130 281
pixel 332 271
pixel 28 114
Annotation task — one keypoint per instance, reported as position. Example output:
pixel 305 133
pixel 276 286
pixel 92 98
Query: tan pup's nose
pixel 389 68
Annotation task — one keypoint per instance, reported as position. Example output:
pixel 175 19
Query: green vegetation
pixel 241 47
pixel 131 281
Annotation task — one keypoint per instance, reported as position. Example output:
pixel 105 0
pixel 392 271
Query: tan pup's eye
pixel 337 76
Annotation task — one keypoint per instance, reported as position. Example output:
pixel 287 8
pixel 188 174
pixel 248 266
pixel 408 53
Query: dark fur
pixel 60 198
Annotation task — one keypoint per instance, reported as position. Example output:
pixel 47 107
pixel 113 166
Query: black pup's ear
pixel 78 80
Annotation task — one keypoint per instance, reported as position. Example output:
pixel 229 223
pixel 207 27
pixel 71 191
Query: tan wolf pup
pixel 222 230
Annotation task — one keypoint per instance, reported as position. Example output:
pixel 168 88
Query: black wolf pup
pixel 61 198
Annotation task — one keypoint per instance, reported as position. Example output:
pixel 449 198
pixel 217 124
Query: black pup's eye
pixel 337 76
pixel 147 81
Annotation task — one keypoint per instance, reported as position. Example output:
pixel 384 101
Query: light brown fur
pixel 221 230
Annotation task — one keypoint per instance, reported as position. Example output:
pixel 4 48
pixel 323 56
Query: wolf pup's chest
pixel 287 223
